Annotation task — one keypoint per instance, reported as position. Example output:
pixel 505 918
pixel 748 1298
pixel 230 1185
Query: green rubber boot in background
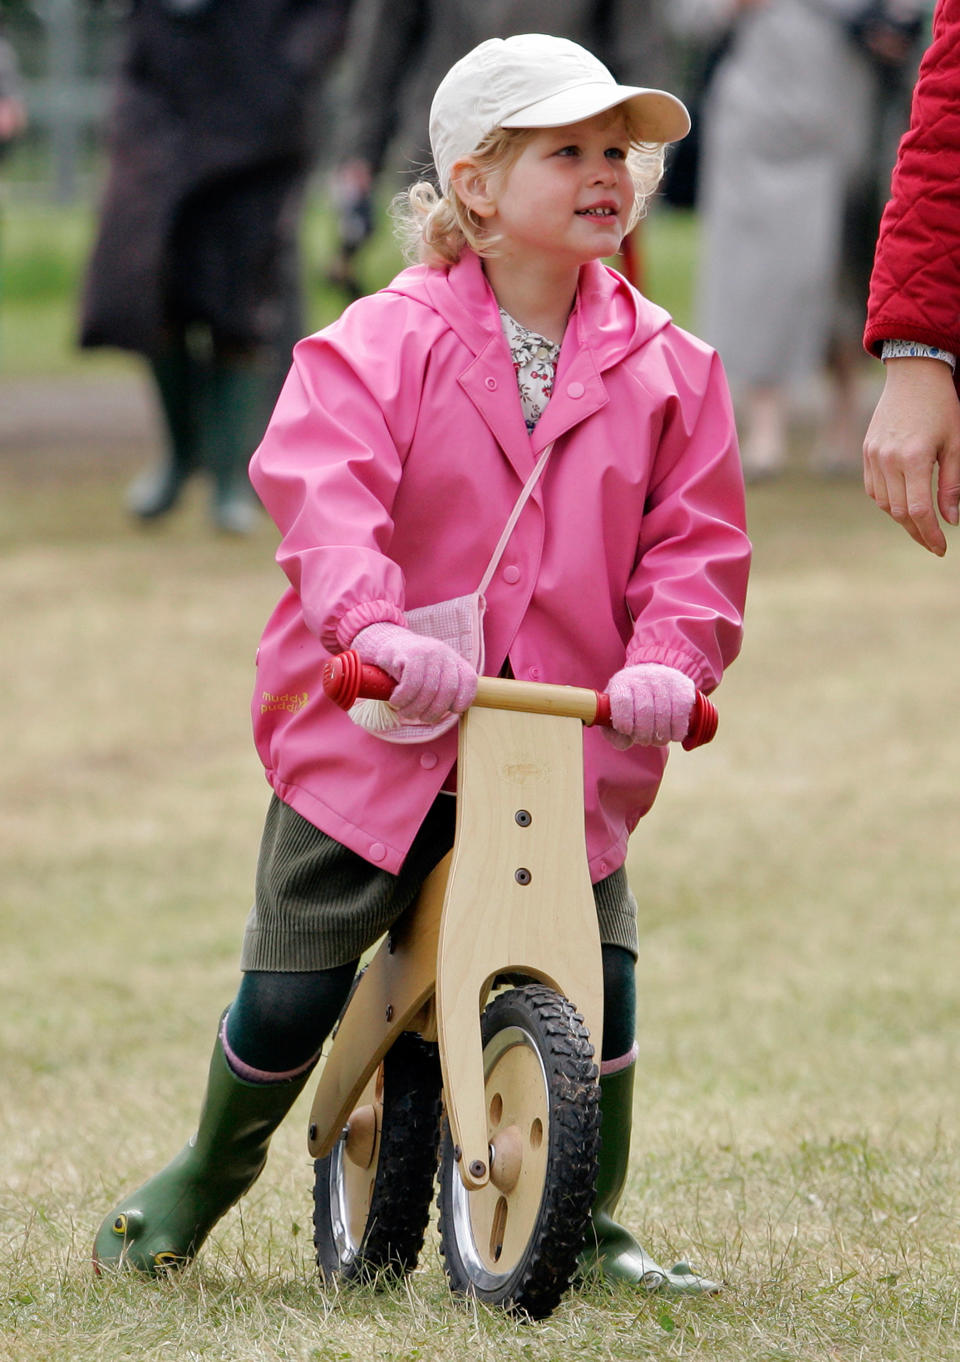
pixel 610 1247
pixel 163 1224
pixel 155 492
pixel 235 414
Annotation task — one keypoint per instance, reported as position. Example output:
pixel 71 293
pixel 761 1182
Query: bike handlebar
pixel 346 679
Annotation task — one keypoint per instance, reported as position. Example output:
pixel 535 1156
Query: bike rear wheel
pixel 372 1193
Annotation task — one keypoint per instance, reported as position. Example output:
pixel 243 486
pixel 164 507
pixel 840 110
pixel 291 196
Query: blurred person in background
pixel 13 115
pixel 804 108
pixel 196 263
pixel 913 316
pixel 397 52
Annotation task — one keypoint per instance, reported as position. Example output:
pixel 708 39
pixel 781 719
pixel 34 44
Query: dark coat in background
pixel 211 141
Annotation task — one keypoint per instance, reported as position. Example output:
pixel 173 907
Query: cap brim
pixel 655 115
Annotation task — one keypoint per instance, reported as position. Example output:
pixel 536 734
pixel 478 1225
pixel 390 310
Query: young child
pixel 396 454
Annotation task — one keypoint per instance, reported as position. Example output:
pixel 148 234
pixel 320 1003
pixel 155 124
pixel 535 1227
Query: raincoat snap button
pixel 377 851
pixel 490 383
pixel 511 574
pixel 428 760
pixel 575 389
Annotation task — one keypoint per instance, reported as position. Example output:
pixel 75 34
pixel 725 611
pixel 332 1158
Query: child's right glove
pixel 650 704
pixel 432 679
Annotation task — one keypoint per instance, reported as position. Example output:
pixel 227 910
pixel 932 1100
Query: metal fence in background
pixel 67 50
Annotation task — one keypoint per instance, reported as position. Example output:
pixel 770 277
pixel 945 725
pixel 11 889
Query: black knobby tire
pixel 515 1243
pixel 370 1220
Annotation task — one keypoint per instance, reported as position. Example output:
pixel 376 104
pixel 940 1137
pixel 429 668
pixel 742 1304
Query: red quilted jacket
pixel 915 286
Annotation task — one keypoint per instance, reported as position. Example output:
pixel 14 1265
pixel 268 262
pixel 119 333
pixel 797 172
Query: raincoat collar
pixel 610 316
pixel 610 320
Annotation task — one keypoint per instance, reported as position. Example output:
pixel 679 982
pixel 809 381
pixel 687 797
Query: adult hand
pixel 650 704
pixel 433 680
pixel 915 432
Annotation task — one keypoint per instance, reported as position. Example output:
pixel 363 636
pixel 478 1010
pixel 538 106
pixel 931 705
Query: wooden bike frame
pixel 513 896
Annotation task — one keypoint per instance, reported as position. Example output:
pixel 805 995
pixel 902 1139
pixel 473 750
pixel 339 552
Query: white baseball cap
pixel 535 80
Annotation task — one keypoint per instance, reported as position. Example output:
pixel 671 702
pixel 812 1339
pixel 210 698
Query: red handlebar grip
pixel 602 717
pixel 345 679
pixel 703 723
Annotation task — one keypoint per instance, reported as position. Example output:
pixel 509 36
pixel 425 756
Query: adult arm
pixel 913 441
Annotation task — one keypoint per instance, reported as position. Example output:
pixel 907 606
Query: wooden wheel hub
pixel 361 1138
pixel 506 1159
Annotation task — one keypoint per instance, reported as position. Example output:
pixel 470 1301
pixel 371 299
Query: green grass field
pixel 797 1111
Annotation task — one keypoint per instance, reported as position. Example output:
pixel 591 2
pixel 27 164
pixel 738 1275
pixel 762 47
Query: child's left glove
pixel 650 704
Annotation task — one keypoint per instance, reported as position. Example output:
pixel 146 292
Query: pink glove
pixel 649 704
pixel 432 679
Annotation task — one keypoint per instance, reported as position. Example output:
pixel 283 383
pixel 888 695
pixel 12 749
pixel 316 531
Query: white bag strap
pixel 522 500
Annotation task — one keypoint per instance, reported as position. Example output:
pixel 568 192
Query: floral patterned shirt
pixel 535 362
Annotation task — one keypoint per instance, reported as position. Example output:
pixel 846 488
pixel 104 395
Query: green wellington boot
pixel 164 1223
pixel 614 1251
pixel 234 418
pixel 157 491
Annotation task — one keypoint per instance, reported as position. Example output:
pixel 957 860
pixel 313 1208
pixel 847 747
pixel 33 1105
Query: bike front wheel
pixel 515 1243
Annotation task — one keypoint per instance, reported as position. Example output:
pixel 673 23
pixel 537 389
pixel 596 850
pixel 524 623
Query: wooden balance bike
pixel 510 913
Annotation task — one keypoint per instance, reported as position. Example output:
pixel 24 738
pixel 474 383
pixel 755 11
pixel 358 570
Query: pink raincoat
pixel 393 459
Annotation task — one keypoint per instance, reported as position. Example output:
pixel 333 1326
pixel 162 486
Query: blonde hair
pixel 434 228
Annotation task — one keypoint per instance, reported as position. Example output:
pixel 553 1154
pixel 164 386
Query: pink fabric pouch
pixel 459 624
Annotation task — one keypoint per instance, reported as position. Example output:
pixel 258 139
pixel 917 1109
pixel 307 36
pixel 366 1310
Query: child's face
pixel 569 194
